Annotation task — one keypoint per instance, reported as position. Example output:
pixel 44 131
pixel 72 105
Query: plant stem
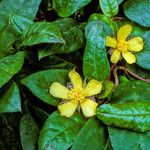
pixel 127 71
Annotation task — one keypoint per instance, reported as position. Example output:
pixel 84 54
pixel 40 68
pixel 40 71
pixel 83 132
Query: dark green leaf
pixel 129 139
pixel 134 116
pixel 6 40
pixel 68 7
pixel 41 32
pixel 92 134
pixel 25 8
pixel 107 88
pixel 40 82
pixel 138 11
pixel 109 7
pixel 53 61
pixel 28 133
pixel 10 101
pixel 132 91
pixel 95 61
pixel 60 132
pixel 9 66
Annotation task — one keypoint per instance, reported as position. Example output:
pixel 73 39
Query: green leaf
pixel 72 34
pixel 138 11
pixel 68 7
pixel 134 116
pixel 94 137
pixel 108 21
pixel 129 139
pixel 74 41
pixel 95 61
pixel 40 82
pixel 60 132
pixel 119 1
pixel 9 66
pixel 142 59
pixel 107 87
pixel 6 40
pixel 53 61
pixel 109 7
pixel 28 133
pixel 24 8
pixel 132 91
pixel 41 32
pixel 10 100
pixel 18 24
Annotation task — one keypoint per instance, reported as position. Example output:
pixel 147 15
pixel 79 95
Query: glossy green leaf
pixel 18 24
pixel 68 7
pixel 41 32
pixel 138 11
pixel 132 91
pixel 134 116
pixel 72 34
pixel 74 41
pixel 129 139
pixel 106 20
pixel 142 59
pixel 25 8
pixel 40 82
pixel 9 66
pixel 10 100
pixel 60 132
pixel 28 133
pixel 95 61
pixel 91 134
pixel 109 7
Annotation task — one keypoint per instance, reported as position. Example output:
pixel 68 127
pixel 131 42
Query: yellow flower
pixel 123 47
pixel 78 95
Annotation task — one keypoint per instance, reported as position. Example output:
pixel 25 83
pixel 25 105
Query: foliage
pixel 41 41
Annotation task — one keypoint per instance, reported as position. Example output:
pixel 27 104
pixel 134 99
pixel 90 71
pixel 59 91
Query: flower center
pixel 77 95
pixel 122 46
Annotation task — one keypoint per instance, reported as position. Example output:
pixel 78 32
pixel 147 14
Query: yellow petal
pixel 59 91
pixel 129 57
pixel 76 79
pixel 115 56
pixel 111 42
pixel 67 109
pixel 135 44
pixel 88 107
pixel 124 32
pixel 92 88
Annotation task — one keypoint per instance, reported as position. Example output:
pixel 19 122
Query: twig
pixel 127 71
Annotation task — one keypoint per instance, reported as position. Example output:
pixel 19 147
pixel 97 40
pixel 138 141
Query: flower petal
pixel 59 91
pixel 92 88
pixel 88 107
pixel 76 79
pixel 129 57
pixel 135 44
pixel 124 32
pixel 111 42
pixel 67 109
pixel 115 56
